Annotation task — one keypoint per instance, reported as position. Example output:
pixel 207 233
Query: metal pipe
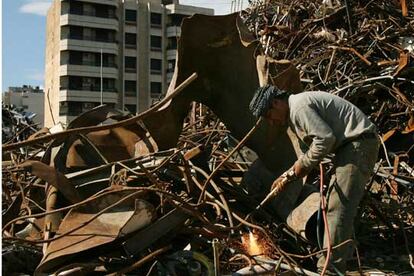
pixel 216 255
pixel 101 73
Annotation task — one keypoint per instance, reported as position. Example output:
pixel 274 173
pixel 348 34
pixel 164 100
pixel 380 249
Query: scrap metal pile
pixel 155 214
pixel 149 215
pixel 362 51
pixel 17 126
pixel 101 198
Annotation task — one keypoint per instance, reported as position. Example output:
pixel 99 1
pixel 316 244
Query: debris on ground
pixel 175 189
pixel 17 125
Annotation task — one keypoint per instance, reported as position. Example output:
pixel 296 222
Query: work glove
pixel 277 182
pixel 287 176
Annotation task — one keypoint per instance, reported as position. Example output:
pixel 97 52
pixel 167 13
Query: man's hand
pixel 299 170
pixel 278 181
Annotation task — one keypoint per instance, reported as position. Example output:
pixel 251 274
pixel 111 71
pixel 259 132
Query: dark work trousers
pixel 354 163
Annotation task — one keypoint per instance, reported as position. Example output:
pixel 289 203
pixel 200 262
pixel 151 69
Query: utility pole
pixel 101 78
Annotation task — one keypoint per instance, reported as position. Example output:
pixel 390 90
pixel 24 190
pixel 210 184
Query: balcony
pixel 88 71
pixel 171 54
pixel 66 119
pixel 92 63
pixel 89 88
pixel 156 49
pixel 79 44
pixel 155 72
pixel 173 31
pixel 130 69
pixel 107 14
pixel 91 38
pixel 103 2
pixel 169 76
pixel 89 21
pixel 80 95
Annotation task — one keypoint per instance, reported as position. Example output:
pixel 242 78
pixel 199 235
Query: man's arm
pixel 323 139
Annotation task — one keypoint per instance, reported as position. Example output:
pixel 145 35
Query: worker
pixel 327 124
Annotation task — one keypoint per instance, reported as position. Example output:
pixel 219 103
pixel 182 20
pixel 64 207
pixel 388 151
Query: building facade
pixel 119 52
pixel 26 98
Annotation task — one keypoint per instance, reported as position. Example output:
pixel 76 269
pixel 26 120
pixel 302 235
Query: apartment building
pixel 119 52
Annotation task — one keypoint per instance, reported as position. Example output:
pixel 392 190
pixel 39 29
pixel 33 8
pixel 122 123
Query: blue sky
pixel 23 42
pixel 23 38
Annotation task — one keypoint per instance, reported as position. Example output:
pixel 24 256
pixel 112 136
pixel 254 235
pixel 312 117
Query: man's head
pixel 271 103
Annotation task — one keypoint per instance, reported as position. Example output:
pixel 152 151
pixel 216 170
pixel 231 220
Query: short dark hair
pixel 263 97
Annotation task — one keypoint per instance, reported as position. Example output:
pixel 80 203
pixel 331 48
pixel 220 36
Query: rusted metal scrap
pixel 171 183
pixel 169 198
pixel 91 233
pixel 16 126
pixel 361 51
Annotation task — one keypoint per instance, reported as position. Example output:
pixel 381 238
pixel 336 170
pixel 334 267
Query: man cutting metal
pixel 327 124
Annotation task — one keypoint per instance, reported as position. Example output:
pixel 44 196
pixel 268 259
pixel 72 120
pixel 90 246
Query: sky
pixel 24 38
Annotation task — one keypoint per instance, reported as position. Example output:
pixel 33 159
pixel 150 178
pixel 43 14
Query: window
pixel 89 59
pixel 108 85
pixel 131 15
pixel 104 11
pixel 70 108
pixel 88 34
pixel 111 36
pixel 87 106
pixel 171 66
pixel 111 13
pixel 75 32
pixel 130 40
pixel 88 9
pixel 76 7
pixel 63 108
pixel 130 88
pixel 75 57
pixel 108 60
pixel 130 64
pixel 155 66
pixel 104 35
pixel 131 108
pixel 155 88
pixel 156 43
pixel 156 19
pixel 101 11
pixel 175 19
pixel 89 84
pixel 75 108
pixel 172 43
pixel 71 82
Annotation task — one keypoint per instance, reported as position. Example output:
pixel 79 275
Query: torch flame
pixel 252 245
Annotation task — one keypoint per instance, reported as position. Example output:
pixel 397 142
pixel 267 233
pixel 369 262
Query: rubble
pixel 170 191
pixel 16 125
pixel 361 51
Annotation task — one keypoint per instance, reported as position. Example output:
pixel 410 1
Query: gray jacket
pixel 324 122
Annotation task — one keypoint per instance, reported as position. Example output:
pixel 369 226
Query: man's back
pixel 343 119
